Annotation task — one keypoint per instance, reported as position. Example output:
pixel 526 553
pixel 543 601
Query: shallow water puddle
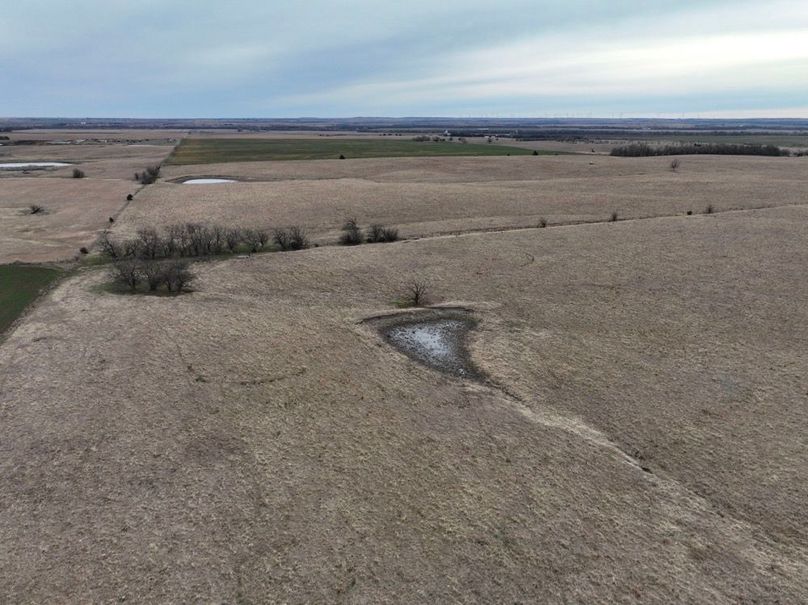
pixel 207 181
pixel 435 338
pixel 24 165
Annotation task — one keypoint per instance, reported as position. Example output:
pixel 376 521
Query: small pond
pixel 207 181
pixel 435 338
pixel 27 165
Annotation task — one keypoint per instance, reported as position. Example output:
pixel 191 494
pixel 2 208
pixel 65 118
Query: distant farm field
pixel 779 139
pixel 210 151
pixel 19 286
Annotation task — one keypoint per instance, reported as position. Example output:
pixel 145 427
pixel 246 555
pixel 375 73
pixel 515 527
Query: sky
pixel 344 58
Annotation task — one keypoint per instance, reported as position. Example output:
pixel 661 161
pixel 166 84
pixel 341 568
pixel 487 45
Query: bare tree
pixel 233 237
pixel 255 238
pixel 298 239
pixel 415 293
pixel 127 272
pixel 675 163
pixel 154 273
pixel 291 238
pixel 151 244
pixel 218 236
pixel 177 275
pixel 108 247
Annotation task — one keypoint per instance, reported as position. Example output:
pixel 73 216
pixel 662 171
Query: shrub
pixel 36 209
pixel 78 174
pixel 380 234
pixel 148 176
pixel 342 157
pixel 689 212
pixel 298 238
pixel 675 163
pixel 291 238
pixel 389 234
pixel 534 152
pixel 542 223
pixel 83 250
pixel 130 197
pixel 255 238
pixel 613 217
pixel 232 239
pixel 415 294
pixel 351 233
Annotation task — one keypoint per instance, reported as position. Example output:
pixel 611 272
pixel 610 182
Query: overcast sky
pixel 495 58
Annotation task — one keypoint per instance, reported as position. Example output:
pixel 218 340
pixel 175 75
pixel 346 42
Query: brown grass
pixel 264 445
pixel 444 195
pixel 75 211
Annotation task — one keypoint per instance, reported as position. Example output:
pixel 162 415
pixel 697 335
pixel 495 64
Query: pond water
pixel 24 165
pixel 438 342
pixel 207 181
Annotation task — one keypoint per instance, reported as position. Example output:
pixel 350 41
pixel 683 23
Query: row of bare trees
pixel 353 235
pixel 135 274
pixel 198 240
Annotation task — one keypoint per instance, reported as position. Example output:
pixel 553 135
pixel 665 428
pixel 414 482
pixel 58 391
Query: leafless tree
pixel 127 272
pixel 151 244
pixel 218 236
pixel 291 238
pixel 177 275
pixel 233 237
pixel 255 238
pixel 154 273
pixel 108 247
pixel 415 293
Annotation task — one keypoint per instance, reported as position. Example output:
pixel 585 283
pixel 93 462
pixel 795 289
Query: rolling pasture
pixel 635 433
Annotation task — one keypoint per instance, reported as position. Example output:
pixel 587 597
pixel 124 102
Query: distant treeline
pixel 635 150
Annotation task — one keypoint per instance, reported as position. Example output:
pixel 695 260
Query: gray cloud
pixel 362 57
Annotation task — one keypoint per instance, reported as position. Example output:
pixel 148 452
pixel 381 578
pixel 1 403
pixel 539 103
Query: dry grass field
pixel 76 210
pixel 641 439
pixel 428 196
pixel 114 159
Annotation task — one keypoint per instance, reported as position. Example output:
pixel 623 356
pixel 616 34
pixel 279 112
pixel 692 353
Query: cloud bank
pixel 250 58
